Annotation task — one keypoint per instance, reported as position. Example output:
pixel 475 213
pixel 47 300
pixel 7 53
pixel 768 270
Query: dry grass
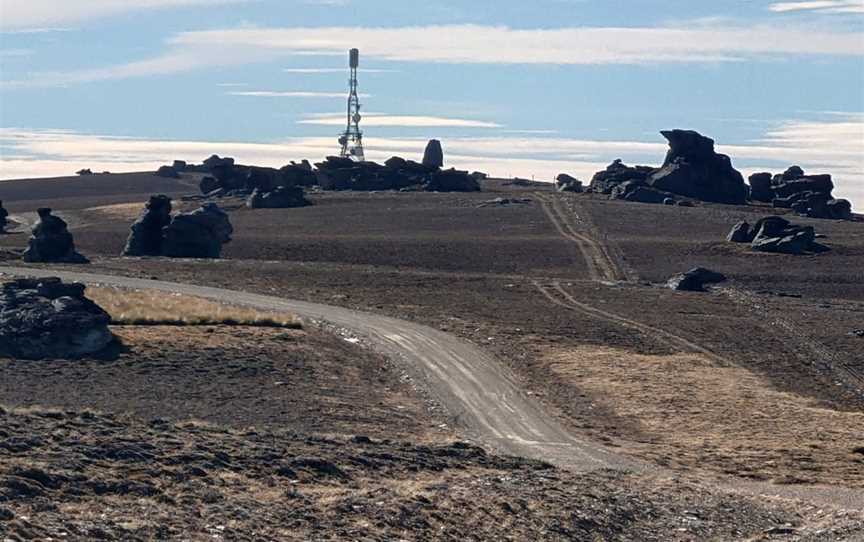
pixel 693 413
pixel 153 307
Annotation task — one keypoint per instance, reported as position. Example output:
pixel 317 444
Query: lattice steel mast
pixel 352 139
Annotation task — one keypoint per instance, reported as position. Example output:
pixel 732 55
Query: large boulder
pixel 179 165
pixel 838 209
pixel 617 173
pixel 760 187
pixel 567 183
pixel 776 234
pixel 452 180
pixel 199 234
pixel 279 198
pixel 692 168
pixel 433 156
pixel 740 233
pixel 51 241
pixel 4 218
pixel 639 191
pixel 695 280
pixel 45 318
pixel 147 232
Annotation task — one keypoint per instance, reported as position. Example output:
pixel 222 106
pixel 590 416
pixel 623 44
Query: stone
pixel 693 169
pixel 199 234
pixel 167 172
pixel 760 187
pixel 147 232
pixel 794 172
pixel 179 165
pixel 46 318
pixel 617 173
pixel 208 184
pixel 740 233
pixel 776 234
pixel 838 209
pixel 83 172
pixel 566 183
pixel 433 156
pixel 451 180
pixel 668 201
pixel 4 218
pixel 51 241
pixel 279 198
pixel 638 191
pixel 694 280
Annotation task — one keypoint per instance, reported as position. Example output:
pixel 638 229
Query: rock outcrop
pixel 51 241
pixel 433 156
pixel 807 195
pixel 693 169
pixel 617 173
pixel 776 234
pixel 45 318
pixel 567 183
pixel 396 173
pixel 199 234
pixel 279 198
pixel 147 232
pixel 695 280
pixel 4 218
pixel 234 179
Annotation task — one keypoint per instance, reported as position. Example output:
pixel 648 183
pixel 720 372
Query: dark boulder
pixel 147 232
pixel 167 172
pixel 4 218
pixel 794 172
pixel 45 318
pixel 811 183
pixel 208 184
pixel 451 180
pixel 297 175
pixel 279 198
pixel 760 187
pixel 199 234
pixel 695 280
pixel 566 183
pixel 179 165
pixel 51 241
pixel 433 156
pixel 83 172
pixel 740 233
pixel 776 234
pixel 692 168
pixel 638 191
pixel 617 173
pixel 838 209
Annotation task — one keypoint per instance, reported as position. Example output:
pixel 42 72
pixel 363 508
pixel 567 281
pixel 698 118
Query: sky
pixel 512 88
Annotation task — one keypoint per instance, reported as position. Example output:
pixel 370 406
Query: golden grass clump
pixel 158 308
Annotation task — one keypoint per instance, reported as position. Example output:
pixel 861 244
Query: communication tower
pixel 352 139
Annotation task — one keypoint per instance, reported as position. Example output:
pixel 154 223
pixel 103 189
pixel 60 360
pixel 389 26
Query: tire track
pixel 601 265
pixel 557 294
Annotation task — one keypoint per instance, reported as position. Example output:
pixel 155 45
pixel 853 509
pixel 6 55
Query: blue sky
pixel 513 88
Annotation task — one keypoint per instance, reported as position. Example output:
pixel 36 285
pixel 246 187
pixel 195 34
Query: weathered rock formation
pixel 433 156
pixel 45 318
pixel 693 169
pixel 233 179
pixel 776 234
pixel 566 183
pixel 4 218
pixel 617 173
pixel 199 234
pixel 760 187
pixel 695 280
pixel 147 232
pixel 179 166
pixel 51 241
pixel 278 198
pixel 807 195
pixel 396 173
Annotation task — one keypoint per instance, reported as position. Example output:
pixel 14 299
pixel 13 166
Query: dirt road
pixel 480 396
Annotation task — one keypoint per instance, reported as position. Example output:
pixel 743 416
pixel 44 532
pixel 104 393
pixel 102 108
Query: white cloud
pixel 293 94
pixel 467 44
pixel 824 6
pixel 835 147
pixel 24 14
pixel 378 119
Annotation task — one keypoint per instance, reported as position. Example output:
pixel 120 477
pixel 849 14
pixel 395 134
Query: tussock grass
pixel 157 308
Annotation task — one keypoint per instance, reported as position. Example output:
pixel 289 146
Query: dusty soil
pixel 86 476
pixel 233 376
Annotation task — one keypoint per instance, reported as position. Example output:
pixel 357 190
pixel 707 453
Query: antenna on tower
pixel 352 139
